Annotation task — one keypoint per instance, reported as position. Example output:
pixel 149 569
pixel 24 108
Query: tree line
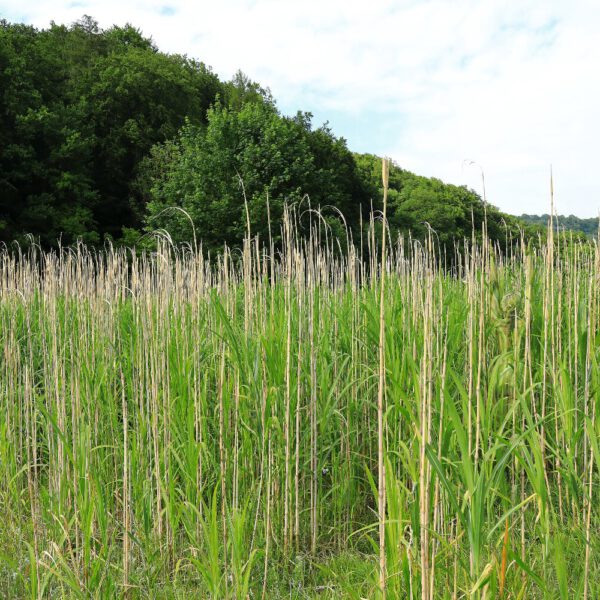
pixel 103 136
pixel 588 227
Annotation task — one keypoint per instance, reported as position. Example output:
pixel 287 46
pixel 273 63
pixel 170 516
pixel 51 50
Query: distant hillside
pixel 587 226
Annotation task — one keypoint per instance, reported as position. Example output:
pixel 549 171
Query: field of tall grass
pixel 298 421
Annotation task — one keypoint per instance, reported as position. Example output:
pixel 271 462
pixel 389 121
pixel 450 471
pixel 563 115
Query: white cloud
pixel 510 85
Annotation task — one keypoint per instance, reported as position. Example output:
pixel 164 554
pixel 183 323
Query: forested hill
pixel 101 134
pixel 79 110
pixel 571 223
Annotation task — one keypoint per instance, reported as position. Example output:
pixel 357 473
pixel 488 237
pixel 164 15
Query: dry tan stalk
pixel 425 428
pixel 299 390
pixel 313 405
pixel 288 355
pixel 381 389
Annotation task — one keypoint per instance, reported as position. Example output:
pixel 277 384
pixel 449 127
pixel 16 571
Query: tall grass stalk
pixel 381 387
pixel 301 418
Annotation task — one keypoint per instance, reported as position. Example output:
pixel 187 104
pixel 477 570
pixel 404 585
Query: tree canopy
pixel 79 109
pixel 587 226
pixel 417 204
pixel 102 135
pixel 255 158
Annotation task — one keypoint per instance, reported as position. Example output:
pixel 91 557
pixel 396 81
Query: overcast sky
pixel 512 85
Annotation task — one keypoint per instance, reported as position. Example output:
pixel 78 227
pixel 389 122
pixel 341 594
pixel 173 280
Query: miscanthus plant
pixel 301 422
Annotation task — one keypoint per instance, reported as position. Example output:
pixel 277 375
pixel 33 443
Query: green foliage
pixel 252 155
pixel 79 109
pixel 242 90
pixel 589 227
pixel 104 136
pixel 417 203
pixel 44 179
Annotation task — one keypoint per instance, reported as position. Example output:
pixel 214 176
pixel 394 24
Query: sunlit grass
pixel 173 427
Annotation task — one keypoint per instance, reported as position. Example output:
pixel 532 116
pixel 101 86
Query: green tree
pixel 79 109
pixel 241 90
pixel 418 204
pixel 134 100
pixel 253 155
pixel 570 223
pixel 44 184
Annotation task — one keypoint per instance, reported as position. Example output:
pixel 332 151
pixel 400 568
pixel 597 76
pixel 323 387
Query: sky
pixel 447 88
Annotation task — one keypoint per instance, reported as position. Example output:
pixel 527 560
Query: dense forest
pixel 571 223
pixel 102 136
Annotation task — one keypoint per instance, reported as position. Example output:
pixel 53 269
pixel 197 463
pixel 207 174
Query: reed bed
pixel 277 422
